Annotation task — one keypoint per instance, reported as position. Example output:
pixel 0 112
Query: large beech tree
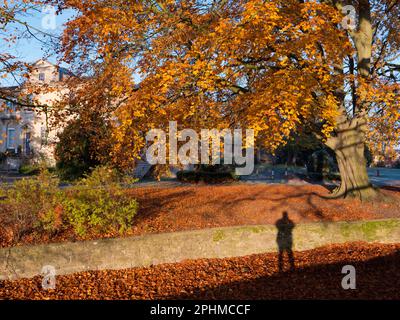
pixel 267 65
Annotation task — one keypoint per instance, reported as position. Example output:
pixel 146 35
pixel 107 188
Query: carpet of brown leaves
pixel 192 207
pixel 205 206
pixel 317 275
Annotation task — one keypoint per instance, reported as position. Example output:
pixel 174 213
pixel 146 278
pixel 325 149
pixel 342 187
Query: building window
pixel 29 99
pixel 43 136
pixel 27 143
pixel 41 76
pixel 11 138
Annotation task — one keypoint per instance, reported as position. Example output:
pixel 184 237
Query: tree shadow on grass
pixel 279 201
pixel 313 199
pixel 149 206
pixel 201 207
pixel 391 188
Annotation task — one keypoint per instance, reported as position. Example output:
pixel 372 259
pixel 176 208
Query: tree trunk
pixel 353 173
pixel 349 140
pixel 348 145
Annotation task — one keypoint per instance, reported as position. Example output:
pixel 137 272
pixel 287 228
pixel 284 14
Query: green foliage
pixel 96 204
pixel 29 169
pixel 79 150
pixel 3 156
pixel 205 176
pixel 368 155
pixel 29 204
pixel 105 176
pixel 396 164
pixel 98 210
pixel 298 148
pixel 322 165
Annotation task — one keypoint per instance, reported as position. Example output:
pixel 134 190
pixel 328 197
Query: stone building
pixel 25 131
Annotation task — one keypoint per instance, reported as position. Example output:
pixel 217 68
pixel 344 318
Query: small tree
pixel 78 149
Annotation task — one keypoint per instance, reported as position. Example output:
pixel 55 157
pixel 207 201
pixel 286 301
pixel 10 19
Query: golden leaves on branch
pixel 266 65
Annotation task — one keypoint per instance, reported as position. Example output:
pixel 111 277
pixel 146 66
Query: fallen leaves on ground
pixel 317 275
pixel 205 206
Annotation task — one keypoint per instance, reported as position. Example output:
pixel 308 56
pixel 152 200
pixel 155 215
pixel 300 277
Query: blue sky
pixel 31 50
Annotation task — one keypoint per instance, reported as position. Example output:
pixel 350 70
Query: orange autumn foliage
pixel 266 65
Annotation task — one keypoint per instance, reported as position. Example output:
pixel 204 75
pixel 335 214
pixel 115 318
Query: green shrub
pixel 396 164
pixel 96 204
pixel 29 205
pixel 98 210
pixel 29 169
pixel 205 176
pixel 82 147
pixel 105 176
pixel 187 176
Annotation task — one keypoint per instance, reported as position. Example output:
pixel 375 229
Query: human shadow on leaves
pixel 284 240
pixel 377 278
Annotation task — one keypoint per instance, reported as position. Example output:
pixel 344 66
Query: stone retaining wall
pixel 121 253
